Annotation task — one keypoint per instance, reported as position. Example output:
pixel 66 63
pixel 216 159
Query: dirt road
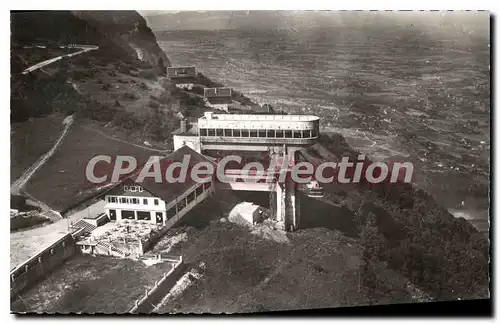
pixel 24 178
pixel 85 48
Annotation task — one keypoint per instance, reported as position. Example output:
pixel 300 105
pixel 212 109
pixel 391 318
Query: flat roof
pixel 246 207
pixel 181 67
pixel 261 117
pixel 191 129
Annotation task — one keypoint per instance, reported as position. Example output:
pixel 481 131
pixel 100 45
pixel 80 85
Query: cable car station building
pixel 275 135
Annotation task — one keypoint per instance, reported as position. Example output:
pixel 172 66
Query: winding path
pixel 166 151
pixel 24 178
pixel 68 121
pixel 84 49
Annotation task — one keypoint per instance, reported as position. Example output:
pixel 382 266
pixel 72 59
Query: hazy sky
pixel 432 22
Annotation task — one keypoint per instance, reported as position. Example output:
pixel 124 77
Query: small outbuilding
pixel 246 213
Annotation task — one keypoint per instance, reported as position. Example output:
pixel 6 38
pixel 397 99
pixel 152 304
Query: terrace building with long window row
pixel 242 129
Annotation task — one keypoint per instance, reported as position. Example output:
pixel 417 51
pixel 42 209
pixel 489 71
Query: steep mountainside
pixel 49 90
pixel 130 31
pixel 110 30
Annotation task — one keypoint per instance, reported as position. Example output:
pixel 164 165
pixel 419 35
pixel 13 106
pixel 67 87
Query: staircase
pixel 85 225
pixel 53 216
pixel 111 248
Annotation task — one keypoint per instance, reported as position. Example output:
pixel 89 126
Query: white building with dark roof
pixel 220 99
pixel 183 77
pixel 159 203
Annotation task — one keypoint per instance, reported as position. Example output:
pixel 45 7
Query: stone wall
pixel 152 297
pixel 41 264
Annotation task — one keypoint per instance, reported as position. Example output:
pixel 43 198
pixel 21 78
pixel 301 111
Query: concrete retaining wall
pixel 99 220
pixel 152 297
pixel 148 242
pixel 42 263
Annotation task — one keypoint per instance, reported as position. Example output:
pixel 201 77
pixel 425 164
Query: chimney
pixel 208 115
pixel 183 126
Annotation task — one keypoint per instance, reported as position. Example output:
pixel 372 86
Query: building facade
pixel 257 132
pixel 181 72
pixel 131 201
pixel 258 129
pixel 183 77
pixel 220 99
pixel 158 203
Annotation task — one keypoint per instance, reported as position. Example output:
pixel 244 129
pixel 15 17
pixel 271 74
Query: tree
pixel 154 125
pixel 372 243
pixel 161 66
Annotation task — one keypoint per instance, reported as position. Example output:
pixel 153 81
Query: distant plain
pixel 391 92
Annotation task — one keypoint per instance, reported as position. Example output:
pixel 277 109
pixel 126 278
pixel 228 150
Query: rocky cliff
pixel 127 48
pixel 129 30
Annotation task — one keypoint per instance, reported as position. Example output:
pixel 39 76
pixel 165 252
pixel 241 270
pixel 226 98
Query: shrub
pixel 124 69
pixel 194 101
pixel 147 74
pixel 198 90
pixel 78 75
pixel 165 97
pixel 153 104
pixel 99 112
pixel 126 120
pixel 21 222
pixel 130 96
pixel 106 86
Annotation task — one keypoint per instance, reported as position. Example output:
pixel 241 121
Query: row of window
pixel 133 201
pixel 133 188
pixel 146 215
pixel 260 133
pixel 141 215
pixel 181 204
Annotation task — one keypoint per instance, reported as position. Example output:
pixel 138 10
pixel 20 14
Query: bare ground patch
pixel 92 285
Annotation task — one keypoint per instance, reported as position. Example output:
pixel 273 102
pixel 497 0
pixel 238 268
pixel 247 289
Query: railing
pixel 155 294
pixel 248 117
pixel 82 223
pixel 30 271
pixel 111 248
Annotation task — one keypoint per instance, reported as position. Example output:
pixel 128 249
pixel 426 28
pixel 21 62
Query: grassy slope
pixel 72 85
pixel 443 255
pixel 20 223
pixel 266 270
pixel 92 284
pixel 61 182
pixel 30 140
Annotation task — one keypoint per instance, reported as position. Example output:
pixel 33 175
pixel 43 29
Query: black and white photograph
pixel 250 162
